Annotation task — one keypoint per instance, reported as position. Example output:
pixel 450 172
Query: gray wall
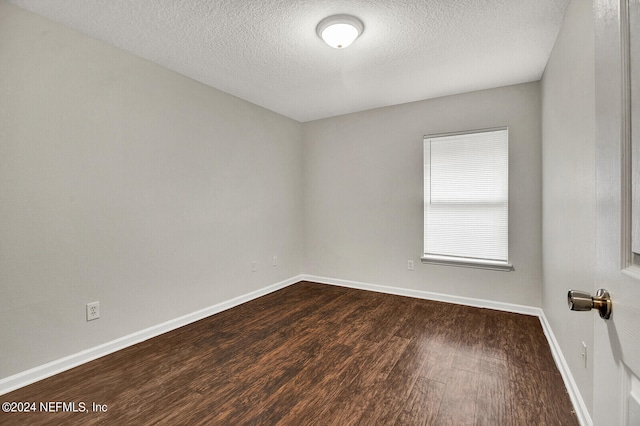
pixel 568 170
pixel 363 194
pixel 123 182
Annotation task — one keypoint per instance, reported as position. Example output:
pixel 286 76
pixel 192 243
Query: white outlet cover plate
pixel 93 311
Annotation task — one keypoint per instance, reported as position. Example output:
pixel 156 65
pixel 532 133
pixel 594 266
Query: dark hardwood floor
pixel 313 354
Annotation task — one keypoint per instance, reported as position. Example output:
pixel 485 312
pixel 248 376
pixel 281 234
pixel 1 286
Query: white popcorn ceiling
pixel 268 53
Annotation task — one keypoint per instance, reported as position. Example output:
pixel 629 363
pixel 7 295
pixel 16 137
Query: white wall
pixel 568 170
pixel 126 183
pixel 363 194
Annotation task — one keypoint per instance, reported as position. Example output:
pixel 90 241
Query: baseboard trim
pixel 420 294
pixel 572 388
pixel 41 372
pixel 52 368
pixel 576 398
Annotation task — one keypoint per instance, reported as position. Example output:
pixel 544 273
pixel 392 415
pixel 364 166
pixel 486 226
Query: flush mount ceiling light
pixel 339 31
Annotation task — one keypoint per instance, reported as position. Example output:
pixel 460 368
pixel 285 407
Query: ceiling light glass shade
pixel 339 31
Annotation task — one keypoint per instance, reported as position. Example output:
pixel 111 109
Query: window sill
pixel 467 263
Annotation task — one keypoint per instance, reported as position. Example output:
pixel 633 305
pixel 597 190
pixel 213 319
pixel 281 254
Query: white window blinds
pixel 466 198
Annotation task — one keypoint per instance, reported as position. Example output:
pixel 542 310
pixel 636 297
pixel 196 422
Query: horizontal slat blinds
pixel 466 189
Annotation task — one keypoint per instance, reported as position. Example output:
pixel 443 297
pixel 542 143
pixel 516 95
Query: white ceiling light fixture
pixel 339 31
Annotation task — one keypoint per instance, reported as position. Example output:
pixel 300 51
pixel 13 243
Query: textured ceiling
pixel 267 51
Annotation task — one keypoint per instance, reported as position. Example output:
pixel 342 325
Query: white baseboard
pixel 572 388
pixel 49 369
pixel 25 378
pixel 419 294
pixel 576 398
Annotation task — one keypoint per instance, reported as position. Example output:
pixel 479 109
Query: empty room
pixel 412 212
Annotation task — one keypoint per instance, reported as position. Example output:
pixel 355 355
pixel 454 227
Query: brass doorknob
pixel 582 301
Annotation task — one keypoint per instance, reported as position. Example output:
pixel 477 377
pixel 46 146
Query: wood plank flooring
pixel 313 354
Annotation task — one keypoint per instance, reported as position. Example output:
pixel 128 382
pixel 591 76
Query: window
pixel 466 199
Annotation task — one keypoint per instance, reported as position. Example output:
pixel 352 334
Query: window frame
pixel 467 262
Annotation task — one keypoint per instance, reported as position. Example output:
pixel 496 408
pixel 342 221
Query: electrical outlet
pixel 275 261
pixel 93 311
pixel 410 265
pixel 584 354
pixel 254 266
